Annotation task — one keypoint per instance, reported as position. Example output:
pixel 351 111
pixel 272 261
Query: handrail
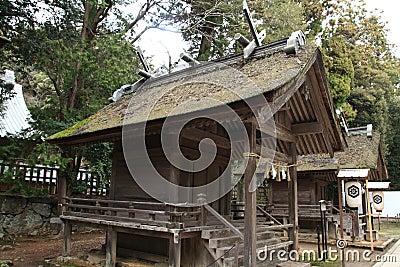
pixel 148 203
pixel 335 209
pixel 268 215
pixel 300 205
pixel 109 201
pixel 224 221
pixel 345 209
pixel 131 211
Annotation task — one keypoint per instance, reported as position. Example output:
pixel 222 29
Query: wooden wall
pixel 310 191
pixel 124 186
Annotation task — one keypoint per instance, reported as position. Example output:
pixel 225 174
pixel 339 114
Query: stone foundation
pixel 26 216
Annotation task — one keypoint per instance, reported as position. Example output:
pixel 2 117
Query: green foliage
pixel 207 26
pixel 72 59
pixel 17 15
pixel 357 55
pixel 27 148
pixel 212 25
pixel 393 141
pixel 280 18
pixel 340 68
pixel 98 157
pixel 362 71
pixel 105 65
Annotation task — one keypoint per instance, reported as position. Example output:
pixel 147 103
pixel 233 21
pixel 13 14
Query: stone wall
pixel 26 216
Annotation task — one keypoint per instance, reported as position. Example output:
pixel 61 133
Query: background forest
pixel 71 55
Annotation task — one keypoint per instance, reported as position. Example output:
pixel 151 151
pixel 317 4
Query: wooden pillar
pixel 174 174
pixel 340 194
pixel 175 244
pixel 293 200
pixel 250 212
pixel 61 192
pixel 369 216
pixel 240 196
pixel 66 250
pixel 111 247
pixel 115 160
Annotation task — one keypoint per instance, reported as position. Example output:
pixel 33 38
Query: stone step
pixel 260 244
pixel 230 240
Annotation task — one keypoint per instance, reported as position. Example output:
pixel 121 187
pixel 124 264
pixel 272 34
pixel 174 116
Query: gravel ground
pixel 32 251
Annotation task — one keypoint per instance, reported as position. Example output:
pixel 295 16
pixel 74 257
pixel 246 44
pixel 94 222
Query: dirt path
pixel 32 251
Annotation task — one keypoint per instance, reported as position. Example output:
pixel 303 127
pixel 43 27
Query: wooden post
pixel 340 194
pixel 66 250
pixel 201 200
pixel 285 221
pixel 369 215
pixel 174 250
pixel 293 200
pixel 111 247
pixel 61 192
pixel 174 174
pixel 250 212
pixel 236 260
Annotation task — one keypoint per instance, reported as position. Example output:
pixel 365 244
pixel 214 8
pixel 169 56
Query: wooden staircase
pixel 225 246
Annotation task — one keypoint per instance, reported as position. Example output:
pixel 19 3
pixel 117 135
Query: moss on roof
pixel 362 152
pixel 268 71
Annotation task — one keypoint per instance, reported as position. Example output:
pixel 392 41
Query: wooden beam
pixel 198 135
pixel 67 238
pixel 111 247
pixel 175 243
pixel 266 152
pixel 307 128
pixel 281 133
pixel 293 200
pixel 320 110
pixel 250 212
pixel 284 133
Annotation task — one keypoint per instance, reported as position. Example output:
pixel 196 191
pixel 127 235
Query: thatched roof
pixel 362 153
pixel 268 71
pixel 276 75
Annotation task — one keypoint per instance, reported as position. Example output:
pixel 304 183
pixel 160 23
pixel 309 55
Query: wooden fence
pixel 45 178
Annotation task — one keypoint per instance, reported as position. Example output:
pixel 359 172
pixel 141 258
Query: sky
pixel 390 14
pixel 155 43
pixel 391 203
